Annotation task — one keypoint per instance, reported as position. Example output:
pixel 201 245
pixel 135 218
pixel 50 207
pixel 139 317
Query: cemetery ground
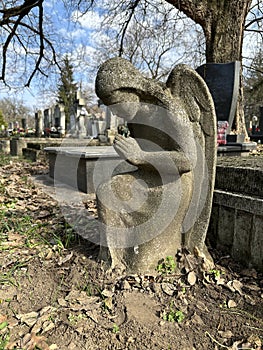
pixel 55 295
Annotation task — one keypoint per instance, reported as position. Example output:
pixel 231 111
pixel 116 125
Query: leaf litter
pixel 56 295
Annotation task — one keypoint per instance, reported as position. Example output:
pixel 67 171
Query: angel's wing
pixel 188 85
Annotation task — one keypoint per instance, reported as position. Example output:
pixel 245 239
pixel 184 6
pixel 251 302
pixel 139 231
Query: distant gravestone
pixel 47 118
pixel 24 123
pixel 222 80
pixel 39 123
pixel 260 124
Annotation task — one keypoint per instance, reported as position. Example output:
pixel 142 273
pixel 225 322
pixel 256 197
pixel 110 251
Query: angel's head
pixel 125 90
pixel 118 84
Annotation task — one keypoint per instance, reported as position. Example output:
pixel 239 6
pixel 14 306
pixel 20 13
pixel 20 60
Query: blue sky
pixel 76 33
pixel 71 37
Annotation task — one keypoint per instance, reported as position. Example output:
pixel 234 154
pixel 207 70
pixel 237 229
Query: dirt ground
pixel 54 294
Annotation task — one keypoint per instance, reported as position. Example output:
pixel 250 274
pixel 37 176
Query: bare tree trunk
pixel 240 122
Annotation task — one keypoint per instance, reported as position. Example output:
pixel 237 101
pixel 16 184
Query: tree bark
pixel 223 25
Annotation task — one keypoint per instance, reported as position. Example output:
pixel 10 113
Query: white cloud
pixel 90 20
pixel 72 34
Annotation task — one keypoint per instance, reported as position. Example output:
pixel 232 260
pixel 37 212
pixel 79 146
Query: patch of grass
pixel 9 276
pixel 115 328
pixel 4 336
pixel 216 273
pixel 166 266
pixel 90 289
pixel 5 159
pixel 4 340
pixel 65 237
pixel 24 226
pixel 173 315
pixel 73 319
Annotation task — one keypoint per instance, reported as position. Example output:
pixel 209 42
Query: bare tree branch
pixel 13 20
pixel 41 49
pixel 132 9
pixel 21 10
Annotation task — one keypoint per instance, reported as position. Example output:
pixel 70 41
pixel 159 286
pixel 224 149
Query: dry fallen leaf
pixel 253 287
pixel 225 334
pixel 3 318
pixel 63 260
pixel 191 278
pixel 32 341
pixel 220 281
pixel 79 300
pixel 196 319
pixel 168 288
pixel 108 303
pixel 29 319
pixel 107 293
pixel 254 340
pixel 238 286
pixel 231 304
pixel 235 286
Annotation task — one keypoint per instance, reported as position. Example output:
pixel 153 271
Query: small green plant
pixel 65 238
pixel 216 273
pixel 70 237
pixel 4 337
pixel 73 319
pixel 166 266
pixel 10 276
pixel 90 289
pixel 173 315
pixel 115 328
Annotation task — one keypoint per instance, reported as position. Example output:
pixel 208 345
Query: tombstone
pixel 62 125
pixel 59 119
pixel 108 117
pixel 11 126
pixel 260 123
pixel 81 121
pixel 163 204
pixel 24 123
pixel 72 123
pixel 95 128
pixel 102 130
pixel 47 119
pixel 57 122
pixel 89 126
pixel 39 123
pixel 223 81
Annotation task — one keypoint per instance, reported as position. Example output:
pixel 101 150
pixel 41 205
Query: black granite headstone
pixel 24 124
pixel 260 122
pixel 222 80
pixel 46 119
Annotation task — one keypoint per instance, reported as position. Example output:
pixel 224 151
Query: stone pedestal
pixel 237 215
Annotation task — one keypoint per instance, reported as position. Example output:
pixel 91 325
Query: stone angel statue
pixel 163 202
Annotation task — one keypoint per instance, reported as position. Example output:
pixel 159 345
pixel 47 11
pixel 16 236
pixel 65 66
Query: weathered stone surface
pixel 165 204
pixel 237 216
pixel 237 179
